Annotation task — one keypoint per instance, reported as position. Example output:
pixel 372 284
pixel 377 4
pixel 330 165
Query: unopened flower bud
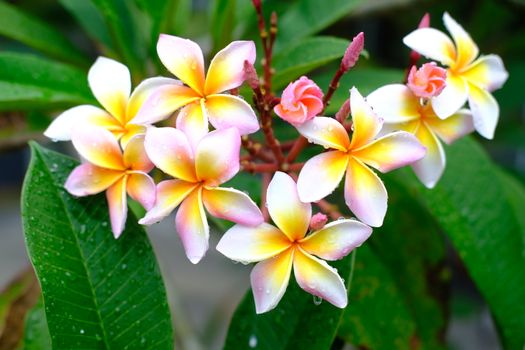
pixel 301 101
pixel 352 52
pixel 250 75
pixel 318 221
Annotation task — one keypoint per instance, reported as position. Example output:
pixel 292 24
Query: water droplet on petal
pixel 252 342
pixel 317 300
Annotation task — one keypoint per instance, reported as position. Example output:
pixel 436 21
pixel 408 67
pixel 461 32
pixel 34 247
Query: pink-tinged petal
pixel 251 244
pixel 395 103
pixel 487 72
pixel 141 188
pixel 286 209
pixel 110 82
pixel 337 239
pixel 366 124
pixel 135 156
pixel 432 44
pixel 485 111
pixel 269 280
pixel 118 206
pixel 431 167
pixel 318 278
pixel 321 175
pixel 365 193
pixel 130 132
pixel 98 146
pixel 392 151
pixel 454 127
pixel 193 122
pixel 169 149
pixel 226 111
pixel 183 58
pixel 217 156
pixel 326 132
pixel 232 205
pixel 144 90
pixel 466 49
pixel 62 126
pixel 452 98
pixel 161 103
pixel 227 67
pixel 87 179
pixel 192 226
pixel 169 194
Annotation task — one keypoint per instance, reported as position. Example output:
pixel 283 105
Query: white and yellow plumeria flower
pixel 365 193
pixel 108 169
pixel 203 97
pixel 279 248
pixel 198 174
pixel 110 82
pixel 469 77
pixel 402 110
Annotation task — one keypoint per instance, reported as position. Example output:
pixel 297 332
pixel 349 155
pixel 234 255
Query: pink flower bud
pixel 301 101
pixel 353 51
pixel 318 221
pixel 427 81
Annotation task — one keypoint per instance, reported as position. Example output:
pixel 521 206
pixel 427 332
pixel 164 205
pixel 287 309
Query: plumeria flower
pixel 198 173
pixel 301 101
pixel 278 248
pixel 109 169
pixel 203 97
pixel 365 193
pixel 427 81
pixel 110 82
pixel 402 110
pixel 469 77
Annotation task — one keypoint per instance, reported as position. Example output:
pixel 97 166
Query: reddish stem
pixel 264 189
pixel 329 209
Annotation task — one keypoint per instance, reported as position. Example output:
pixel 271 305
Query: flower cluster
pixel 396 125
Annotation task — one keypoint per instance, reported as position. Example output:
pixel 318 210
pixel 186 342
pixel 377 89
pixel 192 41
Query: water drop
pixel 82 331
pixel 252 342
pixel 317 300
pixel 124 266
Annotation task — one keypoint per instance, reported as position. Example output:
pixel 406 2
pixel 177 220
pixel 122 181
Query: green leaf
pixel 158 13
pixel 304 56
pixel 470 204
pixel 222 22
pixel 296 323
pixel 36 334
pixel 515 193
pixel 98 291
pixel 28 82
pixel 35 33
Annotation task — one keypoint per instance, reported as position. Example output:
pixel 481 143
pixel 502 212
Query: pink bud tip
pixel 427 81
pixel 301 101
pixel 318 221
pixel 352 51
pixel 343 112
pixel 250 75
pixel 425 21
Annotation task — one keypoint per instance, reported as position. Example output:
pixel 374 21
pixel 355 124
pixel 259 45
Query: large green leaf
pixel 296 323
pixel 36 334
pixel 471 205
pixel 304 56
pixel 35 33
pixel 99 292
pixel 158 13
pixel 222 22
pixel 28 82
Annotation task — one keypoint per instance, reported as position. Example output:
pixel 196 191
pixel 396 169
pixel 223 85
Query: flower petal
pixel 395 103
pixel 337 239
pixel 62 126
pixel 289 214
pixel 432 44
pixel 118 207
pixel 193 122
pixel 452 128
pixel 192 226
pixel 485 111
pixel 226 111
pixel 466 49
pixel 326 132
pixel 251 244
pixel 392 151
pixel 365 193
pixel 366 124
pixel 130 132
pixel 321 175
pixel 217 156
pixel 110 82
pixel 269 280
pixel 169 149
pixel 169 194
pixel 98 146
pixel 135 156
pixel 141 188
pixel 452 98
pixel 318 278
pixel 183 58
pixel 431 167
pixel 227 67
pixel 232 205
pixel 87 179
pixel 487 72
